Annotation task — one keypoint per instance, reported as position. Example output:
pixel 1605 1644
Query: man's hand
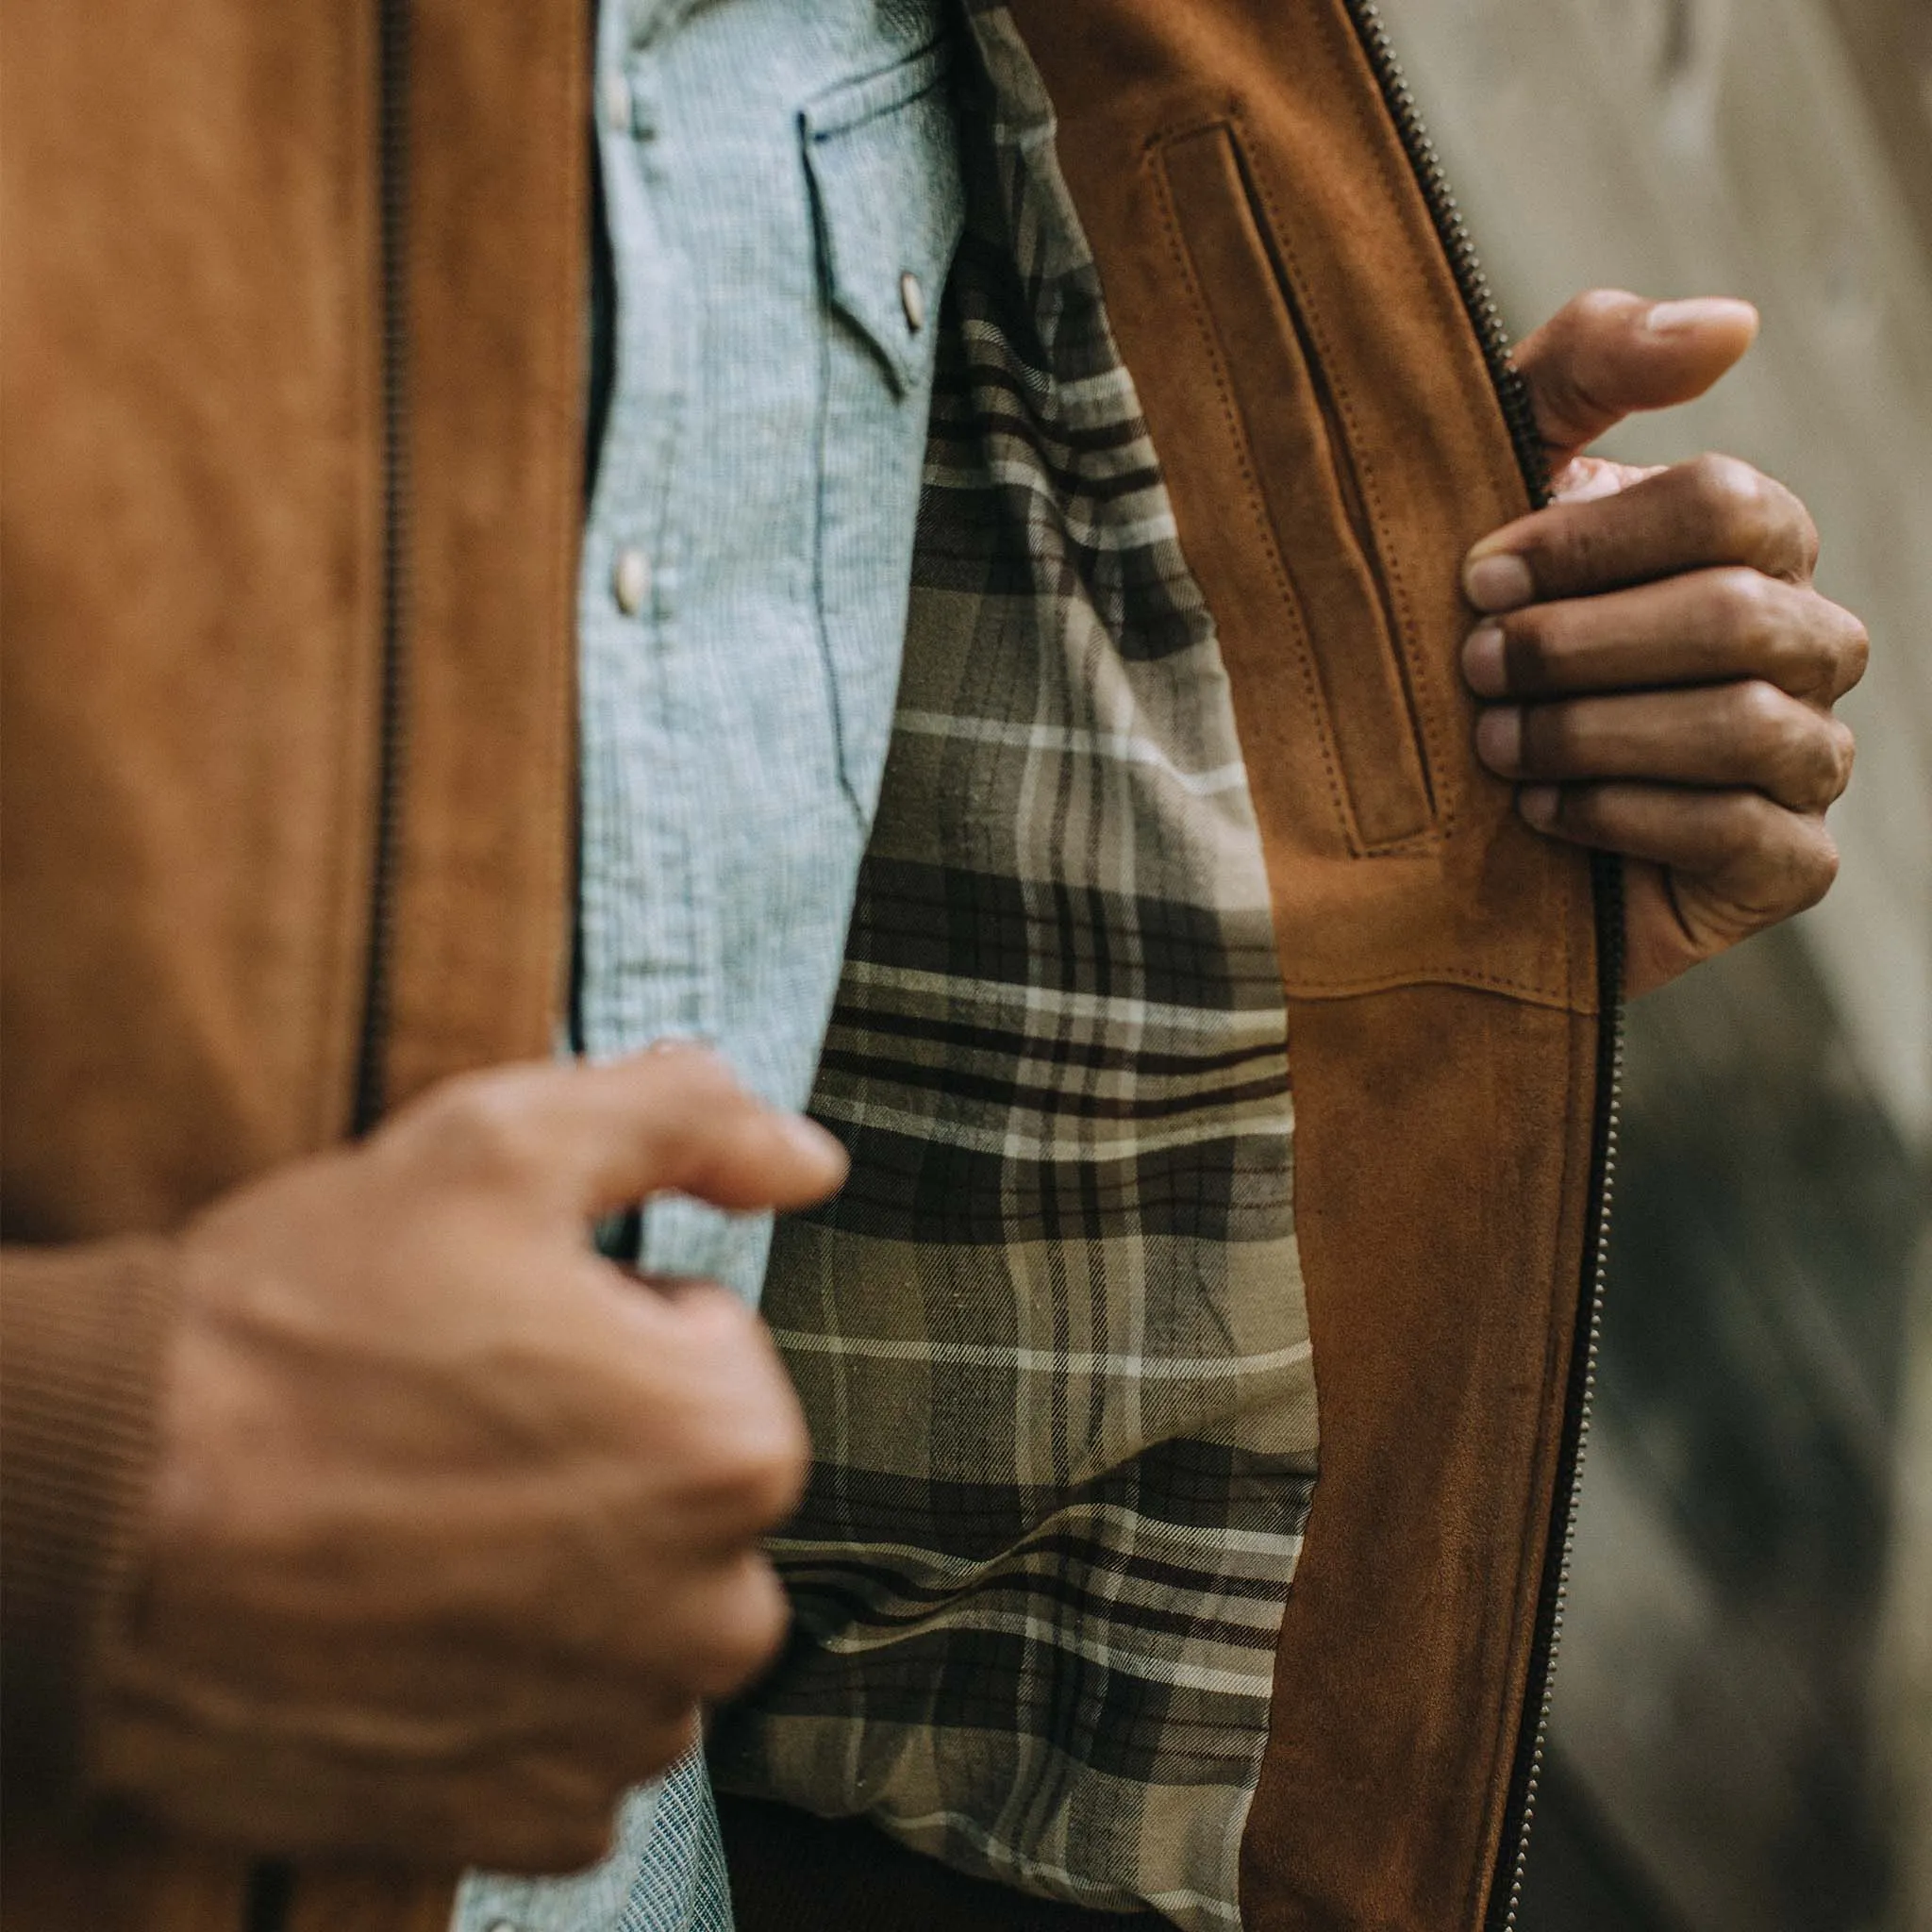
pixel 456 1523
pixel 1668 668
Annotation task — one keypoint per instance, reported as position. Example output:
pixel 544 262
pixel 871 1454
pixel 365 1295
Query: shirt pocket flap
pixel 886 251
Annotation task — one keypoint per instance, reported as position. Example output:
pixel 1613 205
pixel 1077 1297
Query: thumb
pixel 1607 353
pixel 589 1139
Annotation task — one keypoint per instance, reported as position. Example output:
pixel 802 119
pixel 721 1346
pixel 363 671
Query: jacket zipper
pixel 392 160
pixel 271 1887
pixel 1606 891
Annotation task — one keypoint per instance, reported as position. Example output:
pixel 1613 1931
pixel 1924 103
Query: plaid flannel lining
pixel 1051 1338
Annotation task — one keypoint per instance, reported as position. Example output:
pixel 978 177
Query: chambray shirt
pixel 781 202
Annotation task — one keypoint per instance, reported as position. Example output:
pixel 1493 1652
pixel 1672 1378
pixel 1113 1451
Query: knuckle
pixel 1596 307
pixel 1821 867
pixel 1820 767
pixel 719 1327
pixel 1761 720
pixel 1791 753
pixel 1747 828
pixel 1854 655
pixel 1796 532
pixel 1766 714
pixel 1732 498
pixel 1844 747
pixel 743 1635
pixel 1805 864
pixel 760 1477
pixel 777 1482
pixel 1810 647
pixel 1808 538
pixel 486 1126
pixel 1751 605
pixel 1816 780
pixel 1807 658
pixel 1718 482
pixel 747 1447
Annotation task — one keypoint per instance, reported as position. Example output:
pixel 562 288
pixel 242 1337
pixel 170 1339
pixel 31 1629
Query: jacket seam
pixel 1429 974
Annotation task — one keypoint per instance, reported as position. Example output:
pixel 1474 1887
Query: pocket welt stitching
pixel 1293 432
pixel 1426 712
pixel 1304 657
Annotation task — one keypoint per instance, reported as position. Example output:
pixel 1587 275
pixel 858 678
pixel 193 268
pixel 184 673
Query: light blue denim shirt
pixel 782 201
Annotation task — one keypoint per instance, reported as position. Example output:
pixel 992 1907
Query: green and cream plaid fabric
pixel 1051 1337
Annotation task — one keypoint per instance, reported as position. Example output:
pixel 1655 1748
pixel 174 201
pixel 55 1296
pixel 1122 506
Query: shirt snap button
pixel 615 92
pixel 630 582
pixel 912 298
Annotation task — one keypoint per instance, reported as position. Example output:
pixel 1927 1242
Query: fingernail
pixel 1484 665
pixel 1499 738
pixel 1498 582
pixel 1678 318
pixel 1589 479
pixel 1538 803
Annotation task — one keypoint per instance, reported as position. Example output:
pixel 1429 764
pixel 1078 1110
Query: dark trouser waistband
pixel 794 1873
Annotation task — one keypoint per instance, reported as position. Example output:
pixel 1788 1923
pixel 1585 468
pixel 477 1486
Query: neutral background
pixel 1743 1721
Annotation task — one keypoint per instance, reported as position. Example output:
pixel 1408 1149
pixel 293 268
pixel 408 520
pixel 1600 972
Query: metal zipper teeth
pixel 271 1882
pixel 1511 390
pixel 392 163
pixel 1607 884
pixel 271 1889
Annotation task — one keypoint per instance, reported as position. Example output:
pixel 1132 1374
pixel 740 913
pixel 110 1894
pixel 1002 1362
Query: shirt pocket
pixel 881 155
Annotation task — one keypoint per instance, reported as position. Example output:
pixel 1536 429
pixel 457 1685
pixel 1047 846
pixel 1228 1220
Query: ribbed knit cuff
pixel 84 1337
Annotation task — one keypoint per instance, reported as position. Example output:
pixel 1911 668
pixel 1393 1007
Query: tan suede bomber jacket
pixel 294 405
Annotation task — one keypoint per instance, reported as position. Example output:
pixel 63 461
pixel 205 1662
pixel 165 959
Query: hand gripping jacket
pixel 1194 1458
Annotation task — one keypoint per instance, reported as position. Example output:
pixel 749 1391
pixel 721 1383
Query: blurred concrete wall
pixel 1730 146
pixel 1746 1704
pixel 1902 1678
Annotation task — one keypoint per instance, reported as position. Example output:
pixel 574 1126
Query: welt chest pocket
pixel 1316 493
pixel 881 155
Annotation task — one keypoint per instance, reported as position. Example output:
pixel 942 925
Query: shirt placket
pixel 648 898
